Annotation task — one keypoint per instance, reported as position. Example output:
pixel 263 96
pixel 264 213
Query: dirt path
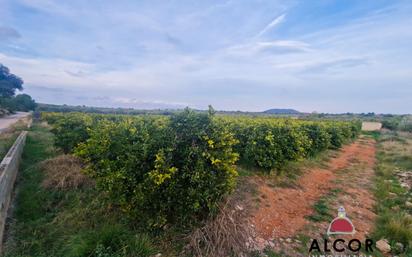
pixel 284 212
pixel 7 121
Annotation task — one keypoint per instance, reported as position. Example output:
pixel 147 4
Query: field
pixel 202 184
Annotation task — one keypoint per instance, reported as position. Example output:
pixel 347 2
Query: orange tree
pixel 165 170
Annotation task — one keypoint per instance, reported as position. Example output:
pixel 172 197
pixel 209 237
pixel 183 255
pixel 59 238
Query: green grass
pixel 394 221
pixel 267 252
pixel 373 134
pixel 270 253
pixel 70 223
pixel 322 211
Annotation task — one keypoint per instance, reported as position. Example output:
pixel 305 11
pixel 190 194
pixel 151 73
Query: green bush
pixel 269 143
pixel 337 136
pixel 70 130
pixel 406 124
pixel 162 170
pixel 391 123
pixel 318 134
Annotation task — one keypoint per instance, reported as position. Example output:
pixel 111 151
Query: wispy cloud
pixel 339 65
pixel 271 25
pixel 269 47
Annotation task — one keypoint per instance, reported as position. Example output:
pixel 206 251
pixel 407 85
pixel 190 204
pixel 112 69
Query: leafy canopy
pixel 9 82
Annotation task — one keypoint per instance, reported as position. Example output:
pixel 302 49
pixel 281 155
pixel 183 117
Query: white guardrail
pixel 8 172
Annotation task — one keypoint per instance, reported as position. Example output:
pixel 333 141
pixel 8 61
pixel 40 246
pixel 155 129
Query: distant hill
pixel 281 111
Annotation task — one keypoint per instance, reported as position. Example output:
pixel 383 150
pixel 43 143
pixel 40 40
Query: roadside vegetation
pixel 8 137
pixel 394 191
pixel 6 141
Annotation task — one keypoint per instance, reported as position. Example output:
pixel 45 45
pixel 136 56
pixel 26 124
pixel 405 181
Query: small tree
pixel 24 103
pixel 9 82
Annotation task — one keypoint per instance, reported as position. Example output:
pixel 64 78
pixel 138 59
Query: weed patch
pixel 322 211
pixel 394 220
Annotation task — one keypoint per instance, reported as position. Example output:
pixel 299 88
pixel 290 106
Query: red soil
pixel 283 210
pixel 356 195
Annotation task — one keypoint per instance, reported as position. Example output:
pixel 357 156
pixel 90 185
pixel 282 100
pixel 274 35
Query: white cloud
pixel 271 25
pixel 43 71
pixel 266 47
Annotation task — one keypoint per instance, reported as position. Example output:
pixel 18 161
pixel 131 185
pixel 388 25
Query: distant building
pixel 371 126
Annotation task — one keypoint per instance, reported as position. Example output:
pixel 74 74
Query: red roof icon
pixel 341 224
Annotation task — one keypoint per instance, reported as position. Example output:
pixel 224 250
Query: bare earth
pixel 284 212
pixel 7 121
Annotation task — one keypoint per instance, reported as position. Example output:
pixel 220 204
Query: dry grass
pixel 64 172
pixel 7 135
pixel 6 141
pixel 229 232
pixel 45 125
pixel 224 235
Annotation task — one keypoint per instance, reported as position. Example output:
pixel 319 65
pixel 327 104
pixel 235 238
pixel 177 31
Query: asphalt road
pixel 9 120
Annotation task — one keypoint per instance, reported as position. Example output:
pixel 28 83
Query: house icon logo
pixel 341 225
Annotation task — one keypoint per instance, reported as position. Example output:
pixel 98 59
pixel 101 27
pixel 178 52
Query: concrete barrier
pixel 8 172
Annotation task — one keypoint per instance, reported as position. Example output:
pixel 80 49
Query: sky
pixel 330 56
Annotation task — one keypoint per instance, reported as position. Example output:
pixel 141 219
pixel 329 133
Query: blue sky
pixel 320 55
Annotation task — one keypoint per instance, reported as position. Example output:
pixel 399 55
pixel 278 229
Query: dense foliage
pixel 21 102
pixel 176 168
pixel 269 143
pixel 164 169
pixel 397 122
pixel 406 123
pixel 9 83
pixel 71 130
